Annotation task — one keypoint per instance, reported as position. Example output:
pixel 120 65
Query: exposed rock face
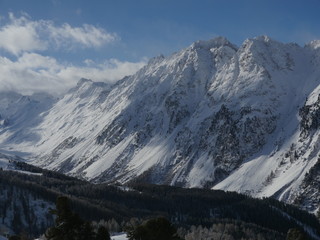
pixel 309 196
pixel 310 118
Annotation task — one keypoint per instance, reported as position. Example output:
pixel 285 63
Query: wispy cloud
pixel 87 36
pixel 32 72
pixel 21 34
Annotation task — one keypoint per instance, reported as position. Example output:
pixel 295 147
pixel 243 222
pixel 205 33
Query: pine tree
pixel 86 232
pixel 102 234
pixel 154 229
pixel 68 225
pixel 295 234
pixel 15 237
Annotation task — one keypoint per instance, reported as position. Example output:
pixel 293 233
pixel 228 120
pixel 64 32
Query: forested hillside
pixel 183 207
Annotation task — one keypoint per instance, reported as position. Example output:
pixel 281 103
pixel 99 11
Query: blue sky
pixel 115 38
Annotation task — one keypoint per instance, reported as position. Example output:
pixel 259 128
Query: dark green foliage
pixel 69 226
pixel 295 234
pixel 184 207
pixel 15 237
pixel 231 229
pixel 102 234
pixel 154 229
pixel 86 232
pixel 22 236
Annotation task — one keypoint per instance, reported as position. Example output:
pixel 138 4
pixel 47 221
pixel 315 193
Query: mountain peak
pixel 213 43
pixel 264 38
pixel 84 81
pixel 315 44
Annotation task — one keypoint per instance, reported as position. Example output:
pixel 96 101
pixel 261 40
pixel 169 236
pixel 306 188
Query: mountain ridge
pixel 212 115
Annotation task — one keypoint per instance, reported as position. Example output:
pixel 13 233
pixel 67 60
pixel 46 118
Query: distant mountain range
pixel 213 115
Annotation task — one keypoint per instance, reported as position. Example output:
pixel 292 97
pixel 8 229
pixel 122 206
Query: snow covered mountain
pixel 212 115
pixel 18 116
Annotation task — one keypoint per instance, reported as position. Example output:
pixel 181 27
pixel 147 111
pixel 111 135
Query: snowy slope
pixel 18 116
pixel 212 115
pixel 122 236
pixel 6 161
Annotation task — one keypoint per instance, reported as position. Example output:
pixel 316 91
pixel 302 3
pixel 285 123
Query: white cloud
pixel 20 35
pixel 109 71
pixel 32 72
pixel 23 34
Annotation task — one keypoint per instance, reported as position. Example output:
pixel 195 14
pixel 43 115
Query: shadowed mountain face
pixel 212 115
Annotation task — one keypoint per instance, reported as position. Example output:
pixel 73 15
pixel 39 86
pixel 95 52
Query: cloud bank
pixel 29 70
pixel 33 72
